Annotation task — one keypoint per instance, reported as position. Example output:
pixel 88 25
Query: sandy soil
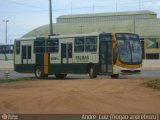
pixel 101 95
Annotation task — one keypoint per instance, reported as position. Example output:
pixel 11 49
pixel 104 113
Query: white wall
pixel 150 64
pixel 6 64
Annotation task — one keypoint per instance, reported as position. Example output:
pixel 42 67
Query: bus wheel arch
pixel 39 72
pixel 92 71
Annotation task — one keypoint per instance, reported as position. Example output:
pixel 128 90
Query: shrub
pixel 154 84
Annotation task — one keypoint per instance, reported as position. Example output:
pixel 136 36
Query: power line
pixel 24 4
pixel 120 3
pixel 73 8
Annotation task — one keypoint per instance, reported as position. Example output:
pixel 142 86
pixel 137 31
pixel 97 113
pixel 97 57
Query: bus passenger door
pixel 105 56
pixel 26 56
pixel 66 53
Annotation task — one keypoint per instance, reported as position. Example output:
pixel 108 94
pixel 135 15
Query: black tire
pixel 60 76
pixel 39 73
pixel 92 72
pixel 116 76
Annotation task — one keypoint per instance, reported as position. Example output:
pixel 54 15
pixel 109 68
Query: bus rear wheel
pixel 39 73
pixel 92 72
pixel 116 76
pixel 60 76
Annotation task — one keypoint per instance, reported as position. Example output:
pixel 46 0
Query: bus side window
pixel 53 46
pixel 69 50
pixel 79 44
pixel 91 44
pixel 39 46
pixel 29 52
pixel 18 47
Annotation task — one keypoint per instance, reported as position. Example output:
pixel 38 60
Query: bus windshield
pixel 129 48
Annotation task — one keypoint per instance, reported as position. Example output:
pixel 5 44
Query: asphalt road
pixel 146 73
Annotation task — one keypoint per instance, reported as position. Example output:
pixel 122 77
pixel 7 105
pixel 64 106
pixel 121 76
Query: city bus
pixel 94 54
pixel 6 52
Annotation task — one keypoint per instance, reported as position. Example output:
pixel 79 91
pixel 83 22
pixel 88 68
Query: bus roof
pixel 26 38
pixel 59 36
pixel 76 35
pixel 68 36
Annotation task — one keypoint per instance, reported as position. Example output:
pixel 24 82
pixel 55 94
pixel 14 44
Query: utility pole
pixel 50 15
pixel 71 7
pixel 93 6
pixel 116 5
pixel 6 21
pixel 139 4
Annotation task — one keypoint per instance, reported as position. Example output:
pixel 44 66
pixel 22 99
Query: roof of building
pixel 144 27
pixel 142 12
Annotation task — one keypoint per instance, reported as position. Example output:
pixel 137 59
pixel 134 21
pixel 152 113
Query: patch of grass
pixel 17 79
pixel 154 84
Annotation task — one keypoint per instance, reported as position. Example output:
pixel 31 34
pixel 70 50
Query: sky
pixel 26 15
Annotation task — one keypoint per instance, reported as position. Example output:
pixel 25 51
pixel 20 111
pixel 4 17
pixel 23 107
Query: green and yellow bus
pixel 95 53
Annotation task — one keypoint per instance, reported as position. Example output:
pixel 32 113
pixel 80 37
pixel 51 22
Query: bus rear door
pixel 26 56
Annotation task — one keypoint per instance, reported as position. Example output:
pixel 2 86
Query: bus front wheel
pixel 39 72
pixel 92 72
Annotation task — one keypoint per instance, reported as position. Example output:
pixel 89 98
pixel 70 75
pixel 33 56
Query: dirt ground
pixel 101 95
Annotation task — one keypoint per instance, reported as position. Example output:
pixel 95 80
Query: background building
pixel 145 23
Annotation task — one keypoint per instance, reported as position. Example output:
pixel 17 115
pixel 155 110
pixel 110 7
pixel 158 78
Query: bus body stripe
pixel 45 63
pixel 46 59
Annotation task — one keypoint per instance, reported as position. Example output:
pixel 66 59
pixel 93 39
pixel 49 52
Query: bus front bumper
pixel 127 71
